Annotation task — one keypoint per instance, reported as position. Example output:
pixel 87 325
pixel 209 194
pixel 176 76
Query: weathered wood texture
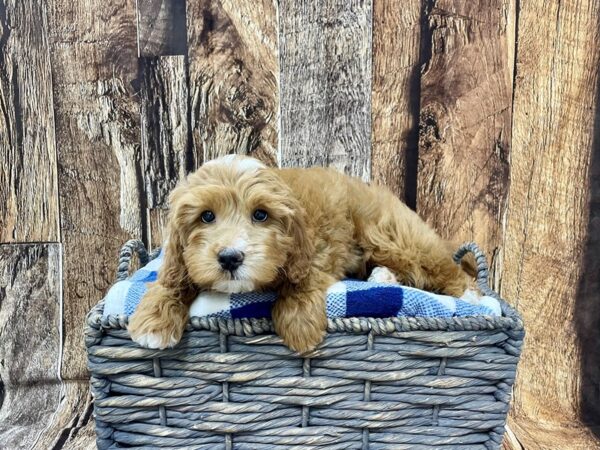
pixel 555 134
pixel 395 95
pixel 465 119
pixel 29 340
pixel 166 147
pixel 28 197
pixel 161 27
pixel 232 49
pixel 325 63
pixel 165 129
pixel 94 62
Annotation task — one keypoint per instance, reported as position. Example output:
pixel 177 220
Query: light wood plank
pixel 530 434
pixel 555 137
pixel 395 99
pixel 98 137
pixel 465 120
pixel 232 48
pixel 71 425
pixel 157 222
pixel 29 340
pixel 28 180
pixel 165 130
pixel 161 27
pixel 325 59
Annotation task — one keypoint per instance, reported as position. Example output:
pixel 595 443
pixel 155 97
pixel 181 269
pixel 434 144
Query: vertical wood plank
pixel 94 64
pixel 157 224
pixel 161 27
pixel 325 59
pixel 165 130
pixel 465 119
pixel 71 425
pixel 28 181
pixel 395 98
pixel 232 48
pixel 29 340
pixel 555 134
pixel 166 148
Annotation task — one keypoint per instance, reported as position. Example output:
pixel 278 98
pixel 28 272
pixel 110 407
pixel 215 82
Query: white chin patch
pixel 233 286
pixel 237 162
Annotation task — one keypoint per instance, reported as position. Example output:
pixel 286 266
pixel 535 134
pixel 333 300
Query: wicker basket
pixel 397 383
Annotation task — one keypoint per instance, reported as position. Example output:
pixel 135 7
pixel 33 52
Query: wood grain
pixel 71 425
pixel 29 340
pixel 28 186
pixel 465 120
pixel 98 141
pixel 395 95
pixel 161 27
pixel 165 129
pixel 325 59
pixel 534 435
pixel 554 137
pixel 232 48
pixel 157 223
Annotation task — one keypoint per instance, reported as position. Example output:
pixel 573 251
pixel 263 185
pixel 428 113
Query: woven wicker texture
pixel 398 383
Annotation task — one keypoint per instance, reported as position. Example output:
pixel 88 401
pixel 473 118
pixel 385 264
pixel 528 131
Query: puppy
pixel 237 226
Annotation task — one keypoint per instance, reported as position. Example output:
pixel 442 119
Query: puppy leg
pixel 299 314
pixel 160 318
pixel 397 238
pixel 430 268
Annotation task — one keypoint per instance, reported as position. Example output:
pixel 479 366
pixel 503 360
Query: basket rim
pixel 96 323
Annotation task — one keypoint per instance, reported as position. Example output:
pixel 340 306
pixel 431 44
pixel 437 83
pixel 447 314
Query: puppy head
pixel 235 226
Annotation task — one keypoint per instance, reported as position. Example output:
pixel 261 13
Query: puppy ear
pixel 173 273
pixel 299 258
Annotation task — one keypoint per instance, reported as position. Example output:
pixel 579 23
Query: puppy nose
pixel 230 258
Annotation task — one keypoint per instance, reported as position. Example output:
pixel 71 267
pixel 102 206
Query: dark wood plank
pixel 325 59
pixel 28 186
pixel 465 119
pixel 395 99
pixel 30 340
pixel 98 141
pixel 161 27
pixel 554 144
pixel 232 48
pixel 165 130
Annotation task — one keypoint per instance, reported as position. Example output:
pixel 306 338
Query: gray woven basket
pixel 397 383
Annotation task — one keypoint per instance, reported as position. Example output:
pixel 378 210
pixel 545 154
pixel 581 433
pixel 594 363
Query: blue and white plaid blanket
pixel 348 298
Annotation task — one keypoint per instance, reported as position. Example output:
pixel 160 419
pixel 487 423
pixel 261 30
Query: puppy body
pixel 321 226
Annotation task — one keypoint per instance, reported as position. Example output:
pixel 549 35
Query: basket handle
pixel 482 266
pixel 133 245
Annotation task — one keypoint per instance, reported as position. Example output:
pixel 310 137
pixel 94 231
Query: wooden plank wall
pixel 483 116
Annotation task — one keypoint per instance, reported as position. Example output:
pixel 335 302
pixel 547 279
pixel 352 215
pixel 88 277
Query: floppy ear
pixel 173 273
pixel 299 258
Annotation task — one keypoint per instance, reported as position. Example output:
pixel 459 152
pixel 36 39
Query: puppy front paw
pixel 154 332
pixel 151 329
pixel 156 340
pixel 301 326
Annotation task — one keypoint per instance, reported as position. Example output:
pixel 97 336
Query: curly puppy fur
pixel 321 226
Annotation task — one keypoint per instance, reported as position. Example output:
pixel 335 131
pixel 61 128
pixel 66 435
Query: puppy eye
pixel 207 216
pixel 260 215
